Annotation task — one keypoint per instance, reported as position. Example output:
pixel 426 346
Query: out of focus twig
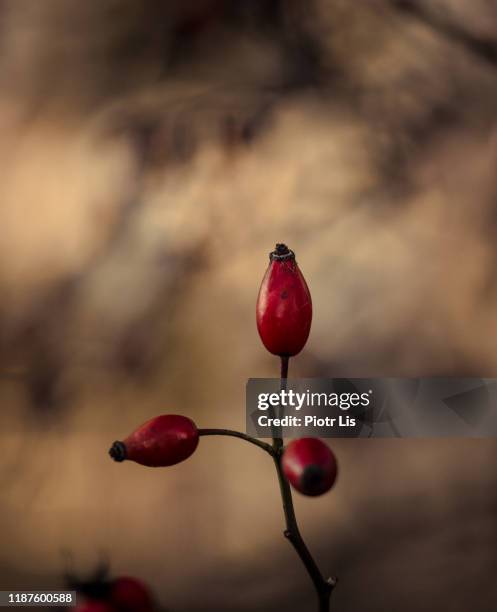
pixel 482 47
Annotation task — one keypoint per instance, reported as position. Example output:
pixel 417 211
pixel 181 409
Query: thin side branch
pixel 237 434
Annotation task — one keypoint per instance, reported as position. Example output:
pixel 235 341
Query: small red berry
pixel 164 440
pixel 309 466
pixel 284 306
pixel 130 595
pixel 94 606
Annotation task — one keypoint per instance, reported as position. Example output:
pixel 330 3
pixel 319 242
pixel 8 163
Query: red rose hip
pixel 309 466
pixel 164 440
pixel 94 606
pixel 284 305
pixel 130 595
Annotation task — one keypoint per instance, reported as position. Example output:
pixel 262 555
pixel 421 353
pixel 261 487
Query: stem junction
pixel 323 586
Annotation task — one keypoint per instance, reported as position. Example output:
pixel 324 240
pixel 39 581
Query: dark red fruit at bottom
pixel 94 606
pixel 309 466
pixel 130 595
pixel 164 440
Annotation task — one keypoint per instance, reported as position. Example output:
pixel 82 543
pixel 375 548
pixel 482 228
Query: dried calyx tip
pixel 281 252
pixel 118 451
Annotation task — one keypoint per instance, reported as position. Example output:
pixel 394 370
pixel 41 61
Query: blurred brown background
pixel 152 153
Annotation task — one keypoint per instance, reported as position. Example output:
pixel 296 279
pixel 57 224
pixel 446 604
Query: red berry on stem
pixel 309 466
pixel 284 306
pixel 130 595
pixel 164 440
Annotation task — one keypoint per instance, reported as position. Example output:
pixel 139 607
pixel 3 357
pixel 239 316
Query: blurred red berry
pixel 95 606
pixel 162 441
pixel 284 306
pixel 130 595
pixel 309 465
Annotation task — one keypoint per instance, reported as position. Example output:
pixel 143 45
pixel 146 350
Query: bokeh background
pixel 151 154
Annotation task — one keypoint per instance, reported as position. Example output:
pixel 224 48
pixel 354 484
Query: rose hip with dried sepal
pixel 284 305
pixel 164 440
pixel 309 466
pixel 284 316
